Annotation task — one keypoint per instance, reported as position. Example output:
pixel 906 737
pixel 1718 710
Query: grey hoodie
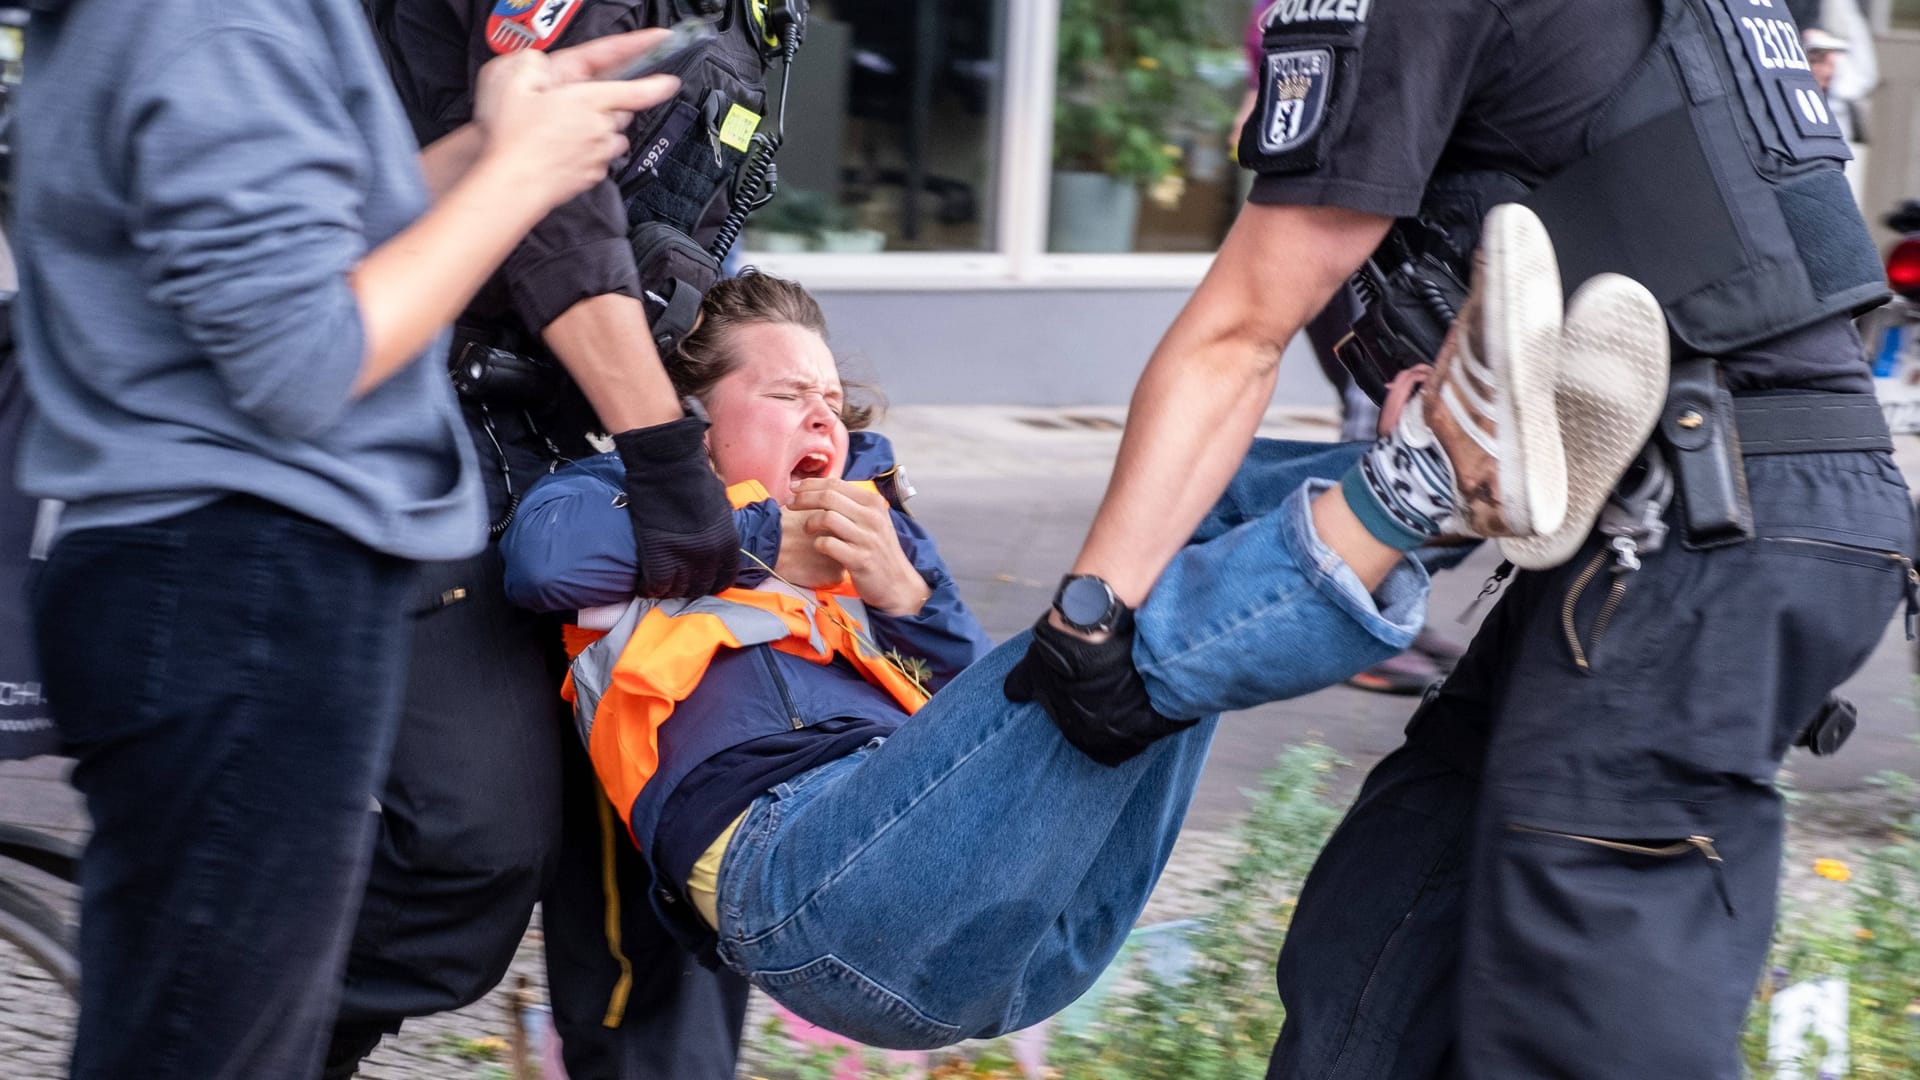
pixel 198 178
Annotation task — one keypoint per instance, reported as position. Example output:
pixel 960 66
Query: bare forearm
pixel 1191 420
pixel 418 282
pixel 1204 391
pixel 447 159
pixel 606 345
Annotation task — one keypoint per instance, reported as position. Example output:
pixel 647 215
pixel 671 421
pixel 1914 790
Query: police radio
pixel 703 161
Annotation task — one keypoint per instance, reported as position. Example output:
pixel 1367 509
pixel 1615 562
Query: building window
pixel 890 131
pixel 1145 98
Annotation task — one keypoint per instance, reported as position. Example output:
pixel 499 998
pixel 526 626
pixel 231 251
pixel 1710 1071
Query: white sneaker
pixel 1611 389
pixel 1490 402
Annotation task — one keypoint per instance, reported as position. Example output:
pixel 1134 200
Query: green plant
pixel 1128 90
pixel 804 212
pixel 1873 941
pixel 1217 1019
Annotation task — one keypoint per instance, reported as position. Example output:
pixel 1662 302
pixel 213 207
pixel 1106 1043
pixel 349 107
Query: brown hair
pixel 705 356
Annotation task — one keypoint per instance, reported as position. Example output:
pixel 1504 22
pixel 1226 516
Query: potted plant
pixel 844 234
pixel 800 219
pixel 1128 96
pixel 792 222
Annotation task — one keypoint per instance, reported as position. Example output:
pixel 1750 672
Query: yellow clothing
pixel 703 885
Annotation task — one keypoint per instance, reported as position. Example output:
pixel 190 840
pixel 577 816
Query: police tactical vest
pixel 1713 177
pixel 703 161
pixel 698 164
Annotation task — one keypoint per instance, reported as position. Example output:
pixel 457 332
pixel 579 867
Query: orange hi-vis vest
pixel 625 684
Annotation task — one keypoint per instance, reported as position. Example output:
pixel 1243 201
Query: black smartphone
pixel 685 35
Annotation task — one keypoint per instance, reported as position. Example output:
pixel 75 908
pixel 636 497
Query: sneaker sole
pixel 1521 306
pixel 1612 386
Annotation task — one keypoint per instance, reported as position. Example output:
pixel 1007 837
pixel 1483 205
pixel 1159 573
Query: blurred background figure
pixel 1838 40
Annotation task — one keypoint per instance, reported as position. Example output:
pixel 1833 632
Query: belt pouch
pixel 1703 444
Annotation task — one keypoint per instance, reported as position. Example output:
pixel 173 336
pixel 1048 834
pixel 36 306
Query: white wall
pixel 1021 346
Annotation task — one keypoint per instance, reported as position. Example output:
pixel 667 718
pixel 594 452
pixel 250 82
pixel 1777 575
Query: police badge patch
pixel 1293 97
pixel 528 24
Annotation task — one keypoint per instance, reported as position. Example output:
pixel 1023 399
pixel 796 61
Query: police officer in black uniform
pixel 1569 868
pixel 490 804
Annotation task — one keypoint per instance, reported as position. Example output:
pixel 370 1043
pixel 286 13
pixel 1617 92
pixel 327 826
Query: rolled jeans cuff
pixel 1267 612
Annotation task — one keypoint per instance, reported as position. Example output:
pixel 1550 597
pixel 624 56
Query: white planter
pixel 1092 212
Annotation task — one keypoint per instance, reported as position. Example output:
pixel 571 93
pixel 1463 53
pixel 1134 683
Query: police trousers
pixel 1570 867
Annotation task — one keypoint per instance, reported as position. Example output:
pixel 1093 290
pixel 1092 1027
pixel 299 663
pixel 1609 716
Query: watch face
pixel 1085 602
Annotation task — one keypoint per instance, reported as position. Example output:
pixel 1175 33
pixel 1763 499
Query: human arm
pixel 249 173
pixel 1207 385
pixel 571 545
pixel 944 632
pixel 445 161
pixel 546 132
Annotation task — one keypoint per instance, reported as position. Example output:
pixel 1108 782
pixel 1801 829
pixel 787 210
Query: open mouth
pixel 812 466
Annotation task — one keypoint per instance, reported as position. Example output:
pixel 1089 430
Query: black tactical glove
pixel 1091 690
pixel 681 518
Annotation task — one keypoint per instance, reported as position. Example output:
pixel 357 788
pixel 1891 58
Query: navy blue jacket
pixel 571 546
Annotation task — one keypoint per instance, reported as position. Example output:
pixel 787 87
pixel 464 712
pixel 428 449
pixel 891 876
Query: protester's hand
pixel 556 135
pixel 682 522
pixel 1091 690
pixel 800 560
pixel 854 527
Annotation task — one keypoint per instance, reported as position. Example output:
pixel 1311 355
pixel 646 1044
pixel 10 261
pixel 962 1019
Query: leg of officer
pixel 469 819
pixel 1367 970
pixel 1627 849
pixel 628 1001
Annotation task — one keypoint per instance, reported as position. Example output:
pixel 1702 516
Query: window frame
pixel 1019 258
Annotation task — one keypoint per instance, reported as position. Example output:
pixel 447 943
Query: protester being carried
pixel 909 871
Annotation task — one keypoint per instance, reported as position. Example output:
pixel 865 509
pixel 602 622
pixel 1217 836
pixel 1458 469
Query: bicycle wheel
pixel 36 929
pixel 39 974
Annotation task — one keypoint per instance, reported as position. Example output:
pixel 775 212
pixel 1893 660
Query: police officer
pixel 490 804
pixel 1569 868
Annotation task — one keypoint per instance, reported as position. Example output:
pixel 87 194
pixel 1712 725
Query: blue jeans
pixel 974 873
pixel 229 680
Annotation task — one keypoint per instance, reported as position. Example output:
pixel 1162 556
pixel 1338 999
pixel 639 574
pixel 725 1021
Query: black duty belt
pixel 1707 432
pixel 1810 423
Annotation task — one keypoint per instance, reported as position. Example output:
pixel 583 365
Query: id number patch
pixel 1769 45
pixel 1293 97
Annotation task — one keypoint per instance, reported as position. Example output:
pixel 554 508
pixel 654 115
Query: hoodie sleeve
pixel 571 542
pixel 251 176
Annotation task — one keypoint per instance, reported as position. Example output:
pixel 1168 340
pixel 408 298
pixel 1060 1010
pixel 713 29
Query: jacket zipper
pixel 1911 584
pixel 1493 583
pixel 1625 553
pixel 1702 844
pixel 773 671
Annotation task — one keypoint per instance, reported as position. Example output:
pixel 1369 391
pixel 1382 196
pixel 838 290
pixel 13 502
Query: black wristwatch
pixel 1088 604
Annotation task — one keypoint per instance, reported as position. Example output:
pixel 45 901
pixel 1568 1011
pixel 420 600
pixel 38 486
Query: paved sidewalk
pixel 1009 493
